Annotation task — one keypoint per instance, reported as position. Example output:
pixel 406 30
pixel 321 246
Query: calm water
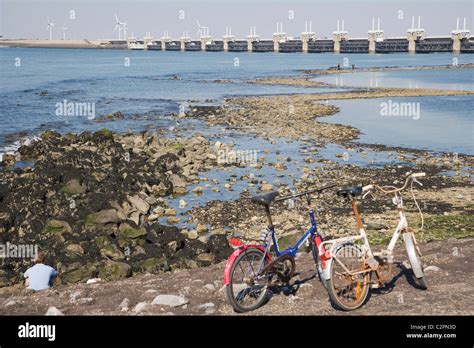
pixel 273 152
pixel 442 124
pixel 157 83
pixel 456 79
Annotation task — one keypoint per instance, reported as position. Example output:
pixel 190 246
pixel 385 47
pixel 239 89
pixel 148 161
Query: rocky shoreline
pixel 94 201
pixel 335 70
pixel 443 199
pixel 298 116
pixel 91 200
pixel 202 292
pixel 448 199
pixel 306 79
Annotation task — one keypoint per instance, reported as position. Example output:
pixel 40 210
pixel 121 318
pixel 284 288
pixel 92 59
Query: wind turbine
pixel 50 28
pixel 121 26
pixel 63 28
pixel 202 31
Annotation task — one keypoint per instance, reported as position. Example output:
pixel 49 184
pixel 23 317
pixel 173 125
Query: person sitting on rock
pixel 40 276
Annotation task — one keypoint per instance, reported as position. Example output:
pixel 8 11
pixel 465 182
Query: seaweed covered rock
pixel 89 203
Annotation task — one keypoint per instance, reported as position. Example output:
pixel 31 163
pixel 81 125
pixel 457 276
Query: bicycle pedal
pixel 376 286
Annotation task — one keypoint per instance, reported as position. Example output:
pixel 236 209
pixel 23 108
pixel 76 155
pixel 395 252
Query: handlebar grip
pixel 367 188
pixel 418 175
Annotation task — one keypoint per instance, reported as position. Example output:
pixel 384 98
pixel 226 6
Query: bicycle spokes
pixel 247 284
pixel 349 278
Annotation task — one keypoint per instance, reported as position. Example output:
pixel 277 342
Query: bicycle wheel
pixel 246 292
pixel 348 292
pixel 318 262
pixel 414 255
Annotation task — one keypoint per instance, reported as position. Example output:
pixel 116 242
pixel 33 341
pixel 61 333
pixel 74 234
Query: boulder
pixel 128 232
pixel 152 265
pixel 134 217
pixel 197 190
pixel 76 274
pixel 124 304
pixel 73 187
pixel 75 249
pixel 153 217
pixel 139 307
pixel 56 228
pixel 200 229
pixel 53 311
pixel 190 234
pixel 159 211
pixel 173 220
pixel 140 204
pixel 104 217
pixel 170 300
pixel 112 251
pixel 191 264
pixel 179 184
pixel 205 259
pixel 209 307
pixel 112 270
pixel 170 212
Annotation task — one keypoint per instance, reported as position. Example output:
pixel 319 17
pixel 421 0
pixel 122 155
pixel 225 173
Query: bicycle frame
pixel 402 225
pixel 366 250
pixel 270 238
pixel 311 232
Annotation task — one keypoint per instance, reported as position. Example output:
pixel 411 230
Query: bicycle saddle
pixel 350 191
pixel 265 198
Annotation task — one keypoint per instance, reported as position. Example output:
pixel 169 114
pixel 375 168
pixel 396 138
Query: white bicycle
pixel 353 268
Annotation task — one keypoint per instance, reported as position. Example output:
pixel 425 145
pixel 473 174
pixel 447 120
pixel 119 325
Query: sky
pixel 95 19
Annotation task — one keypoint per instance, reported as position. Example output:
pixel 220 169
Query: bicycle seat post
pixel 269 216
pixel 308 200
pixel 356 212
pixel 310 210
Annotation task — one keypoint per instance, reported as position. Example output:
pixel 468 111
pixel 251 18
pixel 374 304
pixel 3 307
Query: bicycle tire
pixel 230 288
pixel 414 255
pixel 362 287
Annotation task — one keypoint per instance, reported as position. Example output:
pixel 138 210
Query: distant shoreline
pixel 306 80
pixel 84 43
pixel 343 70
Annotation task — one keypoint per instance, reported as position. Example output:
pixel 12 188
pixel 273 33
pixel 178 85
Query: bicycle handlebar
pixel 305 193
pixel 412 177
